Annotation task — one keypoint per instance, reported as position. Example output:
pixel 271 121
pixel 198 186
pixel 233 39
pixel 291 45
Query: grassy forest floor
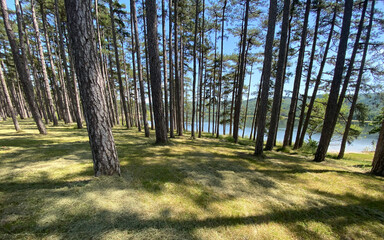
pixel 190 189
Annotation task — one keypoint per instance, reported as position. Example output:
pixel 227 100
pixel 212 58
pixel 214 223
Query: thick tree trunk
pixel 331 110
pixel 81 31
pixel 8 99
pixel 155 68
pixel 140 70
pixel 357 87
pixel 241 77
pixel 378 159
pixel 22 64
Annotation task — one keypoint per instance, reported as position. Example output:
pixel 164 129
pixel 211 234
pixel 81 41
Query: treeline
pixel 167 64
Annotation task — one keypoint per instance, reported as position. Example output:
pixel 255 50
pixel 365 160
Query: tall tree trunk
pixel 178 96
pixel 358 83
pixel 275 116
pixel 155 68
pixel 81 32
pixel 43 67
pixel 117 59
pixel 67 114
pixel 164 38
pixel 171 83
pixel 194 70
pixel 147 68
pixel 262 111
pixel 8 98
pixel 140 70
pixel 22 64
pixel 308 80
pixel 221 69
pixel 296 87
pixel 134 79
pixel 331 110
pixel 318 79
pixel 241 78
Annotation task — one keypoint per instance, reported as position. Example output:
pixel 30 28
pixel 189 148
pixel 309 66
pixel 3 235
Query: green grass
pixel 189 189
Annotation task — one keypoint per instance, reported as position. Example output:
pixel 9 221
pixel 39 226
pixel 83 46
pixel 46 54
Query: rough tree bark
pixel 155 74
pixel 80 26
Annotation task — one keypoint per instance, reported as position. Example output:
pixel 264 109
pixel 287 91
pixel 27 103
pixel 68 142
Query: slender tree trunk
pixel 8 98
pixel 147 69
pixel 308 80
pixel 262 111
pixel 117 59
pixel 22 64
pixel 357 87
pixel 241 78
pixel 296 87
pixel 134 79
pixel 331 110
pixel 178 96
pixel 246 105
pixel 140 71
pixel 194 70
pixel 221 69
pixel 67 115
pixel 279 83
pixel 161 128
pixel 43 68
pixel 81 32
pixel 318 79
pixel 171 83
pixel 164 38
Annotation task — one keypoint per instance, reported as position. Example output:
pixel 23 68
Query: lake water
pixel 365 142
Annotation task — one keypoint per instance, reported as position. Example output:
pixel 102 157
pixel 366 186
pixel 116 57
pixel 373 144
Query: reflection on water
pixel 365 142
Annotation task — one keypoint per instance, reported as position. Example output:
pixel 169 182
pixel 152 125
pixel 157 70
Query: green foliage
pixel 310 146
pixel 376 123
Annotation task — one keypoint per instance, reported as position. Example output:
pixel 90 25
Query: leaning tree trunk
pixel 8 98
pixel 80 26
pixel 318 79
pixel 266 75
pixel 331 110
pixel 155 74
pixel 357 87
pixel 296 87
pixel 22 64
pixel 378 159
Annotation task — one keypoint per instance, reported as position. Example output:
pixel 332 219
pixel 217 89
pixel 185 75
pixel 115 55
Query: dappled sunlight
pixel 189 189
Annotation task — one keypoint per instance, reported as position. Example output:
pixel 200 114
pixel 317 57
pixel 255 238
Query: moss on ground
pixel 189 189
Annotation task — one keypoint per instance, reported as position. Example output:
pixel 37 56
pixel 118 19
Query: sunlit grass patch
pixel 204 188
